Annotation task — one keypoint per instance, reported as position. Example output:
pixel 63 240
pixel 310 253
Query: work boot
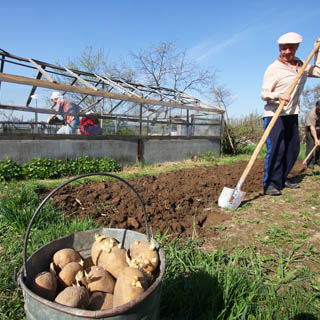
pixel 291 185
pixel 272 191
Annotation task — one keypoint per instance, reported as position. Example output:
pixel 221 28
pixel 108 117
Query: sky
pixel 236 38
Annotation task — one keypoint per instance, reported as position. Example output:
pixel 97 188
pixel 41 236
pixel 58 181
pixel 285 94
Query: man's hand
pixel 284 97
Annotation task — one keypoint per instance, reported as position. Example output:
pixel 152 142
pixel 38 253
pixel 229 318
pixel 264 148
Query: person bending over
pixel 69 111
pixel 313 135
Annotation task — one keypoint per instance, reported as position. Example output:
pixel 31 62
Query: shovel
pixel 309 155
pixel 231 198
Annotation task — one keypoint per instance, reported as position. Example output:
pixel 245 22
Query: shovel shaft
pixel 309 155
pixel 274 119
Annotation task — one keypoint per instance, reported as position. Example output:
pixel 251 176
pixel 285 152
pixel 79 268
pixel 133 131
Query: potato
pixel 144 255
pixel 45 285
pixel 131 283
pixel 99 242
pixel 64 256
pixel 67 276
pixel 75 297
pixel 99 279
pixel 100 301
pixel 113 259
pixel 87 263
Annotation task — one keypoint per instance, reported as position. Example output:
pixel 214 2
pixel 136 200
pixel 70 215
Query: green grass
pixel 241 285
pixel 16 210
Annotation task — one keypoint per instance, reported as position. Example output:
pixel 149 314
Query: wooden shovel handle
pixel 274 119
pixel 309 155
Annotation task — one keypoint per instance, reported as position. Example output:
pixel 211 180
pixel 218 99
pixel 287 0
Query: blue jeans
pixel 70 128
pixel 283 146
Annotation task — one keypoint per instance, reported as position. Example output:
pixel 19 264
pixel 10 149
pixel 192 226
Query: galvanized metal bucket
pixel 144 307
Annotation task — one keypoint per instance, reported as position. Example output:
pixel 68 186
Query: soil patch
pixel 182 202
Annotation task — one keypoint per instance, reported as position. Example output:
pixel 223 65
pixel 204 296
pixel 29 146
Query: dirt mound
pixel 180 202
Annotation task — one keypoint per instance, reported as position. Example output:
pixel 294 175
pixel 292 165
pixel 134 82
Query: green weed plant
pixel 36 168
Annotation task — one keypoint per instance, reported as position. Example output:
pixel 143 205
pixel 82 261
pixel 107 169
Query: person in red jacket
pixel 90 126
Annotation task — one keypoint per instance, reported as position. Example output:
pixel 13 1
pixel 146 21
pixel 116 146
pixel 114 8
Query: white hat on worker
pixel 290 37
pixel 56 95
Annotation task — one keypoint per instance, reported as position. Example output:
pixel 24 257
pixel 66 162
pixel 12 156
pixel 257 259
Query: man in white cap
pixel 283 143
pixel 69 112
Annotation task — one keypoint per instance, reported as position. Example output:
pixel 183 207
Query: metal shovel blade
pixel 230 198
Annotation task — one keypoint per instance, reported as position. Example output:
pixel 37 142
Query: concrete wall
pixel 125 150
pixel 177 149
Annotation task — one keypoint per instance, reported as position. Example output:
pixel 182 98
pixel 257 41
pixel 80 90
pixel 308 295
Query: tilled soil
pixel 182 203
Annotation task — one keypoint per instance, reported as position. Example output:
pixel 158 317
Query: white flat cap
pixel 290 37
pixel 56 95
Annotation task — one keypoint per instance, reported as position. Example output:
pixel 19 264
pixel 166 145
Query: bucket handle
pixel 60 187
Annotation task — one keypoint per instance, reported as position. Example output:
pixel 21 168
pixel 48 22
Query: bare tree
pixel 8 115
pixel 11 115
pixel 223 98
pixel 310 97
pixel 163 65
pixel 90 61
pixel 96 62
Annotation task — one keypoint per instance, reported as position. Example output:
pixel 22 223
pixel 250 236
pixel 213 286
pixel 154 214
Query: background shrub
pixel 242 132
pixel 83 165
pixel 9 170
pixel 45 168
pixel 246 132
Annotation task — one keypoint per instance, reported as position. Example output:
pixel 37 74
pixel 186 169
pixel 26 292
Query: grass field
pixel 229 284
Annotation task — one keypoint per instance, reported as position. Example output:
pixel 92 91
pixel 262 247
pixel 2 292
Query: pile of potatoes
pixel 110 277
